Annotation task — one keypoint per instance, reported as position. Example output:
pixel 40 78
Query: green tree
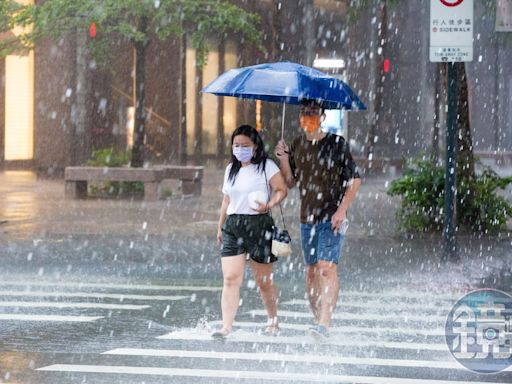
pixel 7 9
pixel 136 21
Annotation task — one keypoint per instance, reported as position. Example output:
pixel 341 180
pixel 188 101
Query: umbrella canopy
pixel 285 82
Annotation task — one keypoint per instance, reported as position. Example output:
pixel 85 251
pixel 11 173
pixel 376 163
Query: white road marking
pixel 53 304
pixel 242 336
pixel 342 329
pixel 381 294
pixel 72 319
pixel 317 359
pixel 357 316
pixel 378 304
pixel 97 295
pixel 80 285
pixel 413 294
pixel 231 374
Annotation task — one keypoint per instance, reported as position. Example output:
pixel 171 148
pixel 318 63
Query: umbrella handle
pixel 282 121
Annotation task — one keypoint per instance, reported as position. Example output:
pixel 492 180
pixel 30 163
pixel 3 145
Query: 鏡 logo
pixel 451 3
pixel 479 331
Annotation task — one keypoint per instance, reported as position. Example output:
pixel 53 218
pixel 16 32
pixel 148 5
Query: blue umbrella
pixel 287 83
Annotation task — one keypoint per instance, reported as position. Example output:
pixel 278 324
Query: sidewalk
pixel 34 210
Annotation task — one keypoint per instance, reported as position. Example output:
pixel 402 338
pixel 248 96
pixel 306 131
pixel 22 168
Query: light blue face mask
pixel 243 154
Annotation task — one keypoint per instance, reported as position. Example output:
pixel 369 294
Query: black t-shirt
pixel 322 170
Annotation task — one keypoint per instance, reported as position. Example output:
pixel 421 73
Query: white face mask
pixel 243 154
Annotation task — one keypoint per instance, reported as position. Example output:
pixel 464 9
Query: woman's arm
pixel 278 185
pixel 280 189
pixel 222 218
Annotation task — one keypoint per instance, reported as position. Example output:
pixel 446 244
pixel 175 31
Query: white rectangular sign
pixel 451 30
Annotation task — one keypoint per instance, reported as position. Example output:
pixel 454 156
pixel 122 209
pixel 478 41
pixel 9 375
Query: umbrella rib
pixel 246 76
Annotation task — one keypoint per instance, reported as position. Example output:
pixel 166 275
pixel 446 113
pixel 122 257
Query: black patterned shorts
pixel 251 234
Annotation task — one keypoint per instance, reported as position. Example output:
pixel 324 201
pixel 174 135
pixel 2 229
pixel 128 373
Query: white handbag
pixel 281 240
pixel 281 243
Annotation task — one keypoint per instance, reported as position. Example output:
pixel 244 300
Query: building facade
pixel 57 104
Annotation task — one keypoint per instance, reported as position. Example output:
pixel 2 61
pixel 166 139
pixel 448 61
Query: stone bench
pixel 191 177
pixel 76 179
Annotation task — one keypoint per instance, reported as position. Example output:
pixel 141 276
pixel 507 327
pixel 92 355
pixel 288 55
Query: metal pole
pixel 450 213
pixel 282 121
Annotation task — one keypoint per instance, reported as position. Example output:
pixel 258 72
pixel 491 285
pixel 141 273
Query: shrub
pixel 109 157
pixel 479 207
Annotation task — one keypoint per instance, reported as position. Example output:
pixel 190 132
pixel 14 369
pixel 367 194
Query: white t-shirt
pixel 248 179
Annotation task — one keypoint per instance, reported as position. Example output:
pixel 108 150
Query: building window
pixel 210 108
pixel 19 107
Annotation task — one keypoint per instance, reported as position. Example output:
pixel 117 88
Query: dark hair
pixel 313 103
pixel 260 156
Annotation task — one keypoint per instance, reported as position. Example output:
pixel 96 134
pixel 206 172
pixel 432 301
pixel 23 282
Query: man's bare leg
pixel 329 290
pixel 313 290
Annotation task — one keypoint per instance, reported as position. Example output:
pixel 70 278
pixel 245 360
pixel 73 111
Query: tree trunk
pixel 274 109
pixel 140 102
pixel 81 142
pixel 220 110
pixel 198 128
pixel 465 158
pixel 439 104
pixel 276 30
pixel 381 42
pixel 310 31
pixel 183 109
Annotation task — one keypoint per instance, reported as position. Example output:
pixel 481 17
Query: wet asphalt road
pixel 389 323
pixel 88 302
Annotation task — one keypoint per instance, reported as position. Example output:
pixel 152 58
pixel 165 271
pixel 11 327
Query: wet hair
pixel 260 156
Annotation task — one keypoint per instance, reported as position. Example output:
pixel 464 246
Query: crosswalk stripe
pixel 72 319
pixel 357 316
pixel 386 295
pixel 242 336
pixel 80 285
pixel 255 356
pixel 52 304
pixel 342 329
pixel 230 374
pixel 382 294
pixel 378 304
pixel 97 295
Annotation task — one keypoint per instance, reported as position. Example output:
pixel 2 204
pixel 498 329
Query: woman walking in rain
pixel 245 225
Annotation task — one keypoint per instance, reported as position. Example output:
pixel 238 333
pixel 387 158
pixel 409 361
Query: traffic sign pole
pixel 450 207
pixel 451 41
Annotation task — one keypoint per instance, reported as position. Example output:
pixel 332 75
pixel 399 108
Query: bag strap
pixel 268 200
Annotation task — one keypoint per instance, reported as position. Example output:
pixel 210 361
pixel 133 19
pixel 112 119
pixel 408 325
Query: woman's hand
pixel 262 207
pixel 219 235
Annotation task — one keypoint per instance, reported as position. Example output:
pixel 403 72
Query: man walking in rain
pixel 321 165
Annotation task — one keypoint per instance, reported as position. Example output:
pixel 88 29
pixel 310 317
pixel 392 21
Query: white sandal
pixel 221 333
pixel 271 330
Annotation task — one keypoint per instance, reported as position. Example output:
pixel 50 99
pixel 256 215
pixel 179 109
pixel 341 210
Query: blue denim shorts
pixel 319 242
